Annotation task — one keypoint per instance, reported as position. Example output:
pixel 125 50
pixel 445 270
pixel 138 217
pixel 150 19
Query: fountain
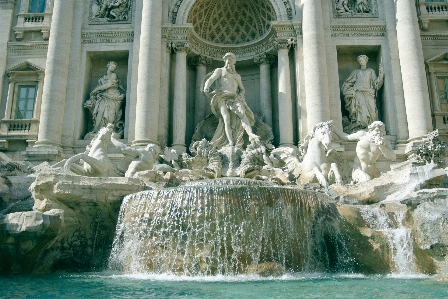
pixel 229 227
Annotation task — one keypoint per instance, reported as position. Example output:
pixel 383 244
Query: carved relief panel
pixel 110 11
pixel 355 8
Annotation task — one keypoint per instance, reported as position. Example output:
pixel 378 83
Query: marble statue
pixel 315 166
pixel 106 100
pixel 113 10
pixel 143 158
pixel 229 105
pixel 95 161
pixel 360 90
pixel 371 145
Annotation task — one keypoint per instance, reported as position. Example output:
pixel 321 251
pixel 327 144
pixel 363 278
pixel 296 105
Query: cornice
pixel 357 30
pixel 27 49
pixel 108 36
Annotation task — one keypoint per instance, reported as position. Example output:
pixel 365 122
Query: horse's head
pixel 322 132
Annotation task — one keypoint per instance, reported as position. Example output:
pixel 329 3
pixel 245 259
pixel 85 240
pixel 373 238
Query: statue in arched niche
pixel 228 105
pixel 360 94
pixel 106 100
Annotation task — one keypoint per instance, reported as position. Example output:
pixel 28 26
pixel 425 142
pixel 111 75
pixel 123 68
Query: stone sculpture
pixel 143 158
pixel 360 93
pixel 229 105
pixel 342 6
pixel 113 10
pixel 362 6
pixel 315 166
pixel 106 100
pixel 371 145
pixel 95 161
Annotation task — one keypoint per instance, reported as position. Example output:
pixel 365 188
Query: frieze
pixel 31 49
pixel 355 8
pixel 358 30
pixel 95 37
pixel 434 36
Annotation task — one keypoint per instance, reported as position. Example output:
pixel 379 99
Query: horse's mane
pixel 304 145
pixel 98 135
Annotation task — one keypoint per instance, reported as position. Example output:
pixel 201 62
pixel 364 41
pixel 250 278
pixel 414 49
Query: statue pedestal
pixel 231 159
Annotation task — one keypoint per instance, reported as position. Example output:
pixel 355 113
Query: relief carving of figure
pixel 113 10
pixel 362 6
pixel 229 105
pixel 106 100
pixel 371 145
pixel 360 93
pixel 342 6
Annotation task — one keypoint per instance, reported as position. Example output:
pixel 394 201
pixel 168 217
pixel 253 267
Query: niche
pixel 95 114
pixel 347 64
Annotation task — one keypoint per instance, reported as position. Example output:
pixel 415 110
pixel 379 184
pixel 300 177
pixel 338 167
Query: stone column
pixel 180 97
pixel 415 86
pixel 315 68
pixel 6 13
pixel 264 61
pixel 284 94
pixel 200 106
pixel 56 79
pixel 164 109
pixel 149 72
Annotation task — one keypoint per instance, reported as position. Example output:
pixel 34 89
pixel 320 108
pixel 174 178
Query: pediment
pixel 25 66
pixel 441 58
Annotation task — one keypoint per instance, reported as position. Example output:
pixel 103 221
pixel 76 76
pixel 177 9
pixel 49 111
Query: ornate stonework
pixel 355 9
pixel 108 12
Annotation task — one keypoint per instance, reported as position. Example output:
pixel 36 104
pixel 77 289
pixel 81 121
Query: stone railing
pixel 33 17
pixel 432 11
pixel 19 126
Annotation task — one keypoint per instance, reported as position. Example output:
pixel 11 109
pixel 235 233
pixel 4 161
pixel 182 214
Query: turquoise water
pixel 107 285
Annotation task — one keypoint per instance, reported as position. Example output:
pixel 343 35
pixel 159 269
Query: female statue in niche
pixel 360 93
pixel 106 99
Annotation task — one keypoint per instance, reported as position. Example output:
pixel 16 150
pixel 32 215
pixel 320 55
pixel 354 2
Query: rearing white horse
pixel 315 150
pixel 96 163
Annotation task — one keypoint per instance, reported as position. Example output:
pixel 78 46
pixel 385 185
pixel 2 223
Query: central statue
pixel 228 105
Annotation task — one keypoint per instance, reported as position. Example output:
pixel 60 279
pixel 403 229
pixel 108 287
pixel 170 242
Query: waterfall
pixel 400 238
pixel 228 227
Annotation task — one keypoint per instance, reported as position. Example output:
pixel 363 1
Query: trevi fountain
pixel 224 149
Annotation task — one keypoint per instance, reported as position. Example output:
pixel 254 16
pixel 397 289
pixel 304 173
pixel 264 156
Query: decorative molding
pixel 358 30
pixel 121 14
pixel 284 43
pixel 265 59
pixel 199 60
pixel 434 36
pixel 27 49
pixel 340 9
pixel 180 46
pixel 117 36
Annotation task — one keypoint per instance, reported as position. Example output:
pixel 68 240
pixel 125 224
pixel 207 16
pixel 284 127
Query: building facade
pixel 69 67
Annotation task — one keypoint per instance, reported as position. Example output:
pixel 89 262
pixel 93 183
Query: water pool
pixel 110 285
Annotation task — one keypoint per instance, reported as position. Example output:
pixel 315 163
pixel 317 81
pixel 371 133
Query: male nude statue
pixel 227 101
pixel 371 144
pixel 144 158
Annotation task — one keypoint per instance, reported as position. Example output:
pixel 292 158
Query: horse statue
pixel 95 162
pixel 313 165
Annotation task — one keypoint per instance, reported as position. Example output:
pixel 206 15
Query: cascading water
pixel 228 227
pixel 400 237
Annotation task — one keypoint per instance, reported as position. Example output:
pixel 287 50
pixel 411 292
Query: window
pixel 37 6
pixel 25 101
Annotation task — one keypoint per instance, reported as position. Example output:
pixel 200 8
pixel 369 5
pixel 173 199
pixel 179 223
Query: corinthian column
pixel 200 105
pixel 314 60
pixel 56 78
pixel 149 73
pixel 180 97
pixel 284 94
pixel 264 61
pixel 415 86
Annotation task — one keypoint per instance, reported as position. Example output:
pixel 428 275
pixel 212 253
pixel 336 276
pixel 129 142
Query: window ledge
pixel 27 22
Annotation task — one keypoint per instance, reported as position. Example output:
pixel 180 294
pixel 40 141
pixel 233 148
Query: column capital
pixel 179 47
pixel 199 60
pixel 284 43
pixel 264 59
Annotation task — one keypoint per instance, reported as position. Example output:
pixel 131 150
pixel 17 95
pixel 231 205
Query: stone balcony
pixel 432 11
pixel 18 129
